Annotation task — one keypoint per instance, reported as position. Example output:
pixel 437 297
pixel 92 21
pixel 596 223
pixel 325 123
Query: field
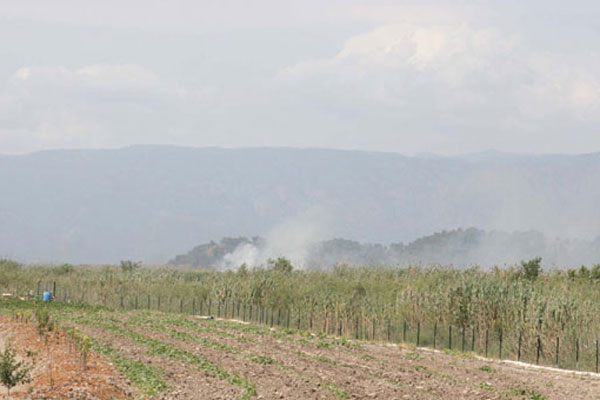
pixel 151 354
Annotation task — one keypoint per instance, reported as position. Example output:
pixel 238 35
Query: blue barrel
pixel 47 296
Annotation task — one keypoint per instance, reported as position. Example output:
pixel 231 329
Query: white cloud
pixel 90 106
pixel 454 73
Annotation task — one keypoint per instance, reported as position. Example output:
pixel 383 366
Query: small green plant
pixel 367 357
pixel 414 356
pixel 529 394
pixel 12 372
pixel 263 360
pixel 42 318
pixel 337 391
pixel 487 368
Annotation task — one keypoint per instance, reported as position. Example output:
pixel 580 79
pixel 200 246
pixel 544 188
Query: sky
pixel 429 76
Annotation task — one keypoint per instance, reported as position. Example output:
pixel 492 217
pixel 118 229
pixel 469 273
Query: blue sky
pixel 445 77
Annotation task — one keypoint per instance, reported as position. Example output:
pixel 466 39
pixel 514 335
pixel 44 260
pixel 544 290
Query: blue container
pixel 47 296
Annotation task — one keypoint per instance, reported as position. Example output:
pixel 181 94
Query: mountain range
pixel 149 203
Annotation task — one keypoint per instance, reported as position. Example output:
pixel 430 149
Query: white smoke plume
pixel 291 239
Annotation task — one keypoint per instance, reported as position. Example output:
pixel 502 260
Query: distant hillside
pixel 148 203
pixel 458 247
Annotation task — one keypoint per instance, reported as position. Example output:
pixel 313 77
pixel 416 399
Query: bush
pixel 130 266
pixel 532 268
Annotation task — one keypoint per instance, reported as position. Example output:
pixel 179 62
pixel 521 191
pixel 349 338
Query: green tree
pixel 282 265
pixel 130 266
pixel 12 372
pixel 595 274
pixel 532 268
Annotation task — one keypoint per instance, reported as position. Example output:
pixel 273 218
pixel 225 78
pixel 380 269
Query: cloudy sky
pixel 427 76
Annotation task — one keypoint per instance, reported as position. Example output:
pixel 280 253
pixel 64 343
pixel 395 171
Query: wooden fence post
pixel 597 348
pixel 519 346
pixel 577 354
pixel 500 344
pixel 487 331
pixel 557 351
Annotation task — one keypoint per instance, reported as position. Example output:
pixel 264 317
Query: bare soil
pixel 284 366
pixel 57 371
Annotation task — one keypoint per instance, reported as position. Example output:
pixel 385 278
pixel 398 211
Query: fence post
pixel 462 345
pixel 356 327
pixel 278 316
pixel 404 331
pixel 180 306
pixel 557 350
pixel 373 330
pixel 194 306
pixel 473 338
pixel 597 348
pixel 450 337
pixel 487 331
pixel 500 344
pixel 418 333
pixel 388 330
pixel 577 354
pixel 539 350
pixel 519 347
pixel 434 334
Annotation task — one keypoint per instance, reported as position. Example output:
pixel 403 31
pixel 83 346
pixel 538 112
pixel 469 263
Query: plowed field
pixel 169 356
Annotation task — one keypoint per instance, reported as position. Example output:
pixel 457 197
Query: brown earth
pixel 57 371
pixel 289 366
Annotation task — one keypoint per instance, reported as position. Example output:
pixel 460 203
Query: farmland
pixel 276 332
pixel 167 355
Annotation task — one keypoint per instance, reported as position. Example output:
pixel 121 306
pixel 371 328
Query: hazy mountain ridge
pixel 149 202
pixel 460 247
